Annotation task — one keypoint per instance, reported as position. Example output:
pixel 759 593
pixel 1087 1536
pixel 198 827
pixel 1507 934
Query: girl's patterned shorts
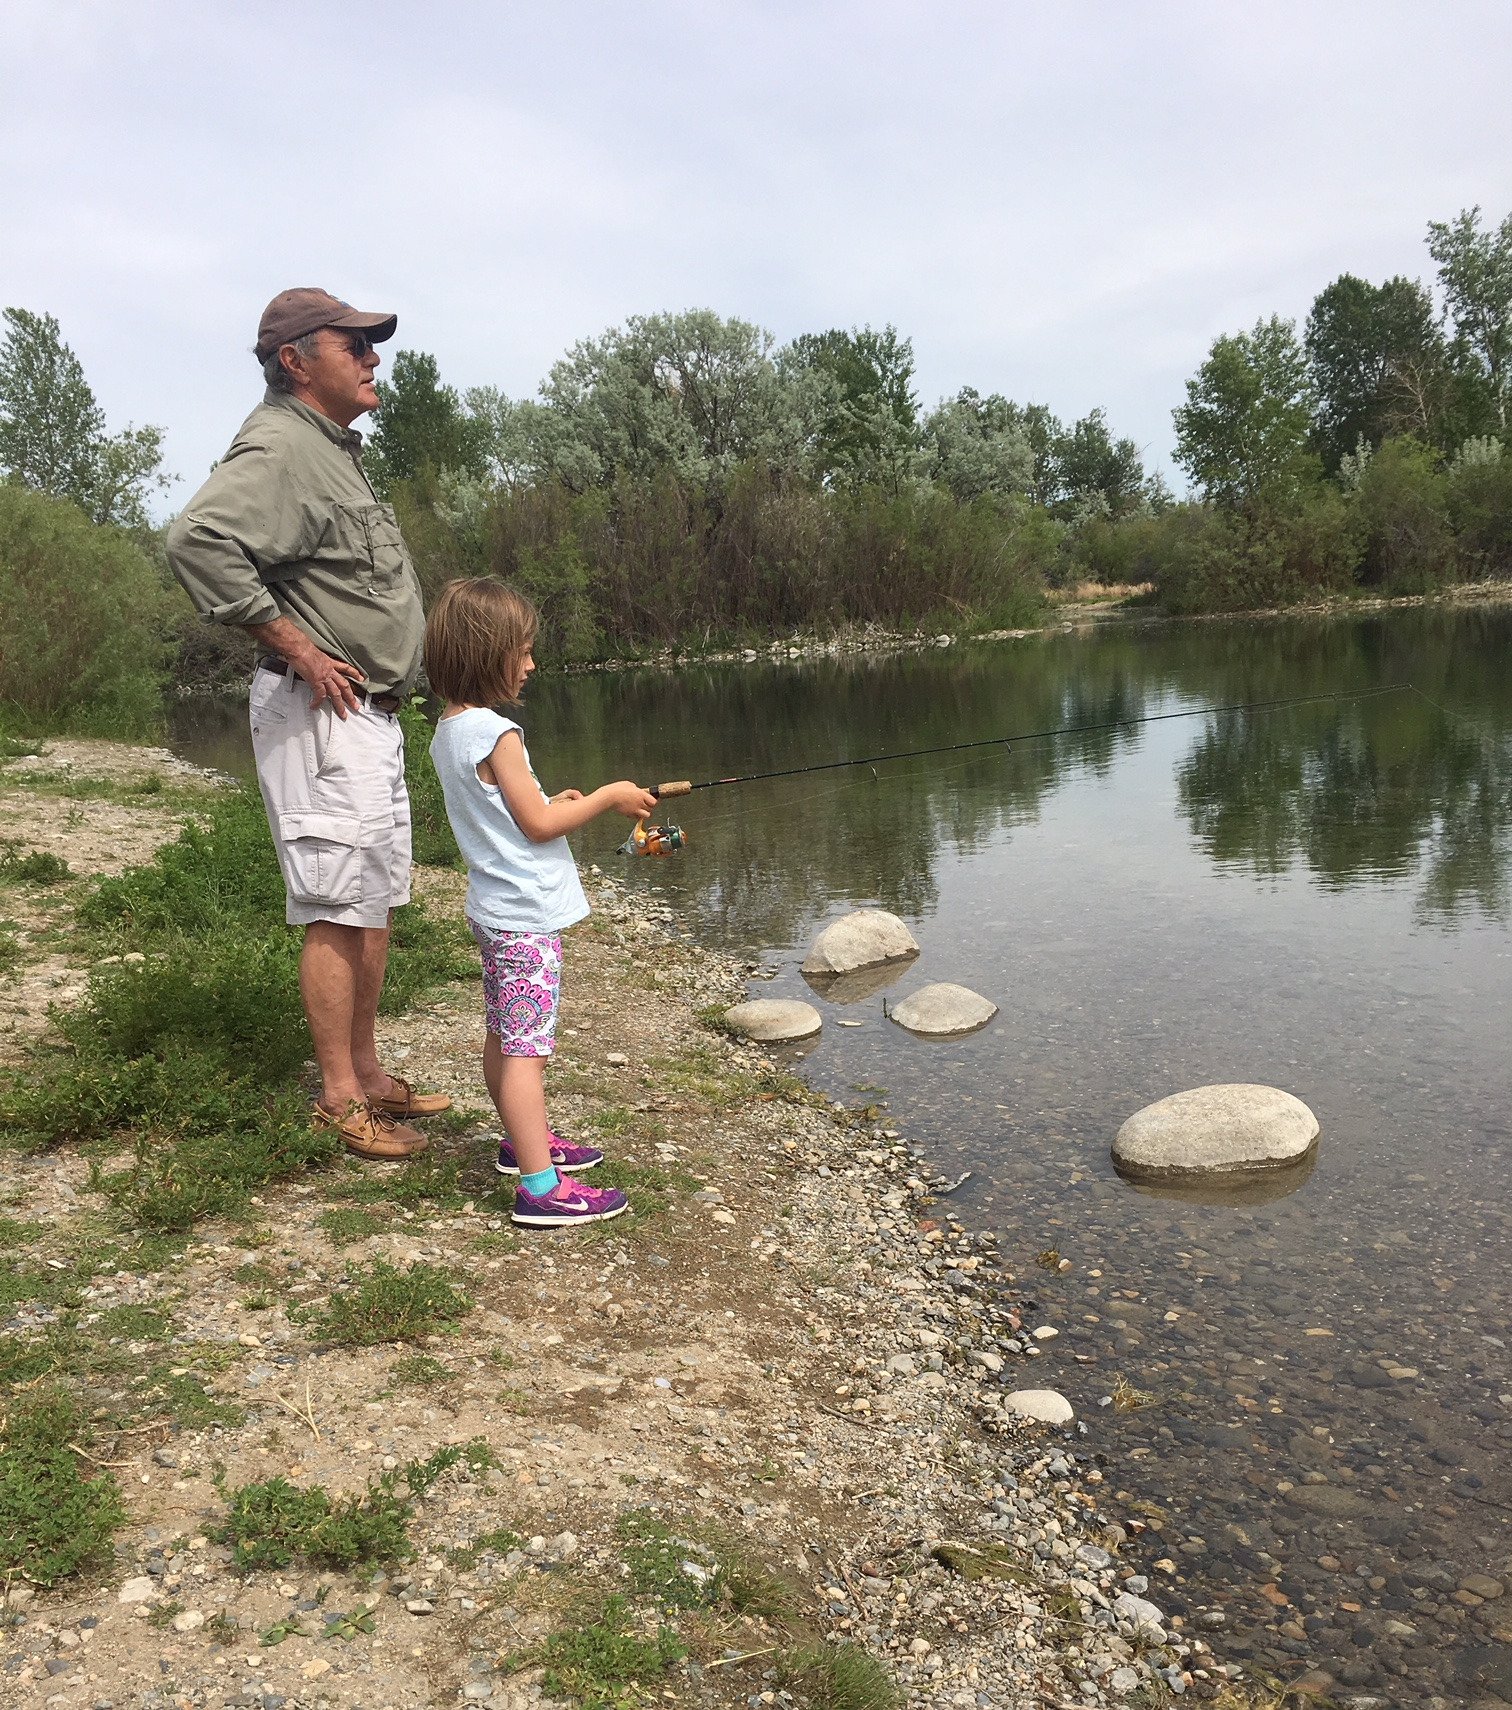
pixel 522 980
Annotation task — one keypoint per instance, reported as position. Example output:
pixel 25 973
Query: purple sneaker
pixel 565 1155
pixel 568 1202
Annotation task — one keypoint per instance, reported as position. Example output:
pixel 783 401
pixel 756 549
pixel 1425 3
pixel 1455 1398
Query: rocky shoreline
pixel 794 1360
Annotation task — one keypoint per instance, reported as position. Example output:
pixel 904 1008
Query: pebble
pixel 137 1589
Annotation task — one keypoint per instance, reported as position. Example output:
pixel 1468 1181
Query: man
pixel 288 541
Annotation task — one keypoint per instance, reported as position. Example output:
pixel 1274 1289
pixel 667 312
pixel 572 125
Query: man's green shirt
pixel 288 526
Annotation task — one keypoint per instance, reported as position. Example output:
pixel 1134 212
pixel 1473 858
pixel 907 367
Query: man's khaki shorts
pixel 336 801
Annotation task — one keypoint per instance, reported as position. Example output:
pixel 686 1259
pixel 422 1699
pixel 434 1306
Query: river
pixel 1318 897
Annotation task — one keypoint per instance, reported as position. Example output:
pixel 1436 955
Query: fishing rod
pixel 683 787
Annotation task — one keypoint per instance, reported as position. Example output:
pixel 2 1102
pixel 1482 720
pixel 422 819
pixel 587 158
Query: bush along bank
pixel 349 1440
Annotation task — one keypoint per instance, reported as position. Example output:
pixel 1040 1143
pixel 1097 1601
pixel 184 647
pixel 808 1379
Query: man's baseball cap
pixel 306 308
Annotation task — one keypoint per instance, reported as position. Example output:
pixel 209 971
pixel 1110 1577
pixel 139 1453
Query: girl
pixel 522 883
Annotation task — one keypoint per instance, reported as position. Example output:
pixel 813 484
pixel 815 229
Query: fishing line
pixel 685 787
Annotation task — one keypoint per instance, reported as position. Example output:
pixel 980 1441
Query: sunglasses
pixel 358 343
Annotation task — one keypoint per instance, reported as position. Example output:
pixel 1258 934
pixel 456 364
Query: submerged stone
pixel 768 1020
pixel 863 939
pixel 943 1008
pixel 1234 1129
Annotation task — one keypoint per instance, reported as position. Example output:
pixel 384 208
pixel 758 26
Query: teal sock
pixel 540 1181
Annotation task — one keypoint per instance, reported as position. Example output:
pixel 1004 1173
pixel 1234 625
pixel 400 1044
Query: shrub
pixel 1401 511
pixel 1480 507
pixel 434 845
pixel 86 613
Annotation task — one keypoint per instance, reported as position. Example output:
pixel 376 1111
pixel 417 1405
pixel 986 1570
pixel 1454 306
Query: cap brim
pixel 377 327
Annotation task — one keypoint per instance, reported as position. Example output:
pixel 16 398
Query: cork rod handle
pixel 681 788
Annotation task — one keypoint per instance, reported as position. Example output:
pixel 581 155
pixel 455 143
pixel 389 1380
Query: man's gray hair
pixel 274 372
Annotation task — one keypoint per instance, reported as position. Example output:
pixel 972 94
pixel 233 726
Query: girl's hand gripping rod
pixel 657 839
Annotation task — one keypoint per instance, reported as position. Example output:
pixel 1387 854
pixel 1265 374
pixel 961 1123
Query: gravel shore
pixel 792 1363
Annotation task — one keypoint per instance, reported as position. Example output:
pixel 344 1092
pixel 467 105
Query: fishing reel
pixel 657 839
pixel 653 840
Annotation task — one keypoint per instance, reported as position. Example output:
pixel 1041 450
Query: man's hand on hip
pixel 331 679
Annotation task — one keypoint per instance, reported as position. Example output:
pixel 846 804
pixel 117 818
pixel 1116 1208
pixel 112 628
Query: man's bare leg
pixel 329 970
pixel 372 964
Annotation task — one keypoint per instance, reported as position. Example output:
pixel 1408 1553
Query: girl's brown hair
pixel 478 632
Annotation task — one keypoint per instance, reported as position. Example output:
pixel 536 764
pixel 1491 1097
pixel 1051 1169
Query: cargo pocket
pixel 324 856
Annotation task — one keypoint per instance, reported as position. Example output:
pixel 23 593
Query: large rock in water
pixel 944 1009
pixel 1233 1129
pixel 1048 1406
pixel 864 939
pixel 771 1019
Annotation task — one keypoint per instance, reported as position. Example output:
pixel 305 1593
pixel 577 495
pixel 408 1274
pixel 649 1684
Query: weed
pixel 346 1627
pixel 839 1677
pixel 161 1614
pixel 259 1302
pixel 10 946
pixel 37 868
pixel 53 1520
pixel 271 1523
pixel 677 1571
pixel 500 1541
pixel 603 1665
pixel 344 1223
pixel 288 1628
pixel 382 1303
pixel 222 1628
pixel 420 1370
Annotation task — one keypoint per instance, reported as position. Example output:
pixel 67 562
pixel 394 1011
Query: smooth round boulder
pixel 943 1009
pixel 1233 1130
pixel 769 1020
pixel 863 939
pixel 1046 1406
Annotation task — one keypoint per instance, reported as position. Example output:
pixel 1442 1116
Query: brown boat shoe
pixel 371 1133
pixel 405 1101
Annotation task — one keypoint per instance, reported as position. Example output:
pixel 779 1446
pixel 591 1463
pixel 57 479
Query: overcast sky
pixel 1063 202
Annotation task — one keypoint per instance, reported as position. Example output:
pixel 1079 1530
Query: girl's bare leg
pixel 518 1088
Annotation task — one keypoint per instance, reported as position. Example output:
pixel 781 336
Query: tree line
pixel 685 479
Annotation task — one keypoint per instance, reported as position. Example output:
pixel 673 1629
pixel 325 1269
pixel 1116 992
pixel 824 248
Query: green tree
pixel 422 427
pixel 689 395
pixel 1378 364
pixel 1475 272
pixel 52 429
pixel 1097 475
pixel 975 446
pixel 865 430
pixel 1243 433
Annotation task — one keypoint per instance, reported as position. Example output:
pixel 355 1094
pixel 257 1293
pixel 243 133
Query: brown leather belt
pixel 384 703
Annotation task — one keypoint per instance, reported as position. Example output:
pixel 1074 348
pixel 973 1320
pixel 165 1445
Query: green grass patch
pixel 839 1677
pixel 695 1566
pixel 192 1057
pixel 57 1514
pixel 420 1371
pixel 500 1541
pixel 12 952
pixel 345 1223
pixel 36 868
pixel 666 1564
pixel 382 1303
pixel 604 1664
pixel 272 1523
